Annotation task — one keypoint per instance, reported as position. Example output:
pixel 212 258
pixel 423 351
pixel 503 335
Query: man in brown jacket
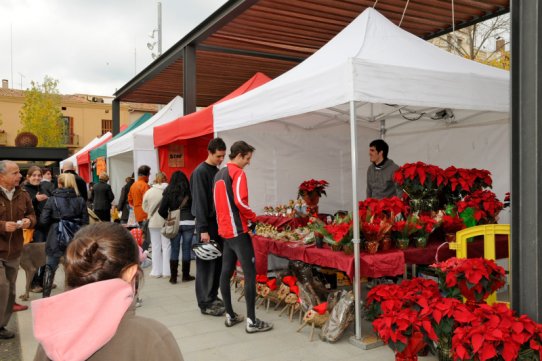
pixel 16 214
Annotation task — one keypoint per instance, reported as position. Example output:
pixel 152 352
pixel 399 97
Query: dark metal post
pixel 189 79
pixel 526 158
pixel 116 116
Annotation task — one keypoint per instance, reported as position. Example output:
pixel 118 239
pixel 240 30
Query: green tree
pixel 41 113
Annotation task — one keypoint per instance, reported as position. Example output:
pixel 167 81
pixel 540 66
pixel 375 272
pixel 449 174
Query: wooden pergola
pixel 272 36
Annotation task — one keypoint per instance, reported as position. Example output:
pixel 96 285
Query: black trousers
pixel 103 214
pixel 239 248
pixel 208 272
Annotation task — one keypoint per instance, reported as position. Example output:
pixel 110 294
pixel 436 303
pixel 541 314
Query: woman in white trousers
pixel 160 245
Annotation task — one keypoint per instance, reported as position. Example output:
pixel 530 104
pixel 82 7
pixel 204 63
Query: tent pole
pixel 355 216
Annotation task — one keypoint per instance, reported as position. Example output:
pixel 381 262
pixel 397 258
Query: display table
pixel 390 263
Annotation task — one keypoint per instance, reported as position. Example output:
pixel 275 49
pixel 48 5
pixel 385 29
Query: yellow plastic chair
pixel 488 231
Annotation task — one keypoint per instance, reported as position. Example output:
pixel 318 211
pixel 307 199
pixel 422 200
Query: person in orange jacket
pixel 137 190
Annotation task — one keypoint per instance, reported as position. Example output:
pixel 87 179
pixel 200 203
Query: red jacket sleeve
pixel 240 194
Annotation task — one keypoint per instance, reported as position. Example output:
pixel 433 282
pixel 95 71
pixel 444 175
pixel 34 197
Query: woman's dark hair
pixel 99 252
pixel 178 186
pixel 240 147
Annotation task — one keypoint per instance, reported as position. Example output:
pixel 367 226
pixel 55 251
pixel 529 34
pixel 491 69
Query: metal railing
pixel 71 139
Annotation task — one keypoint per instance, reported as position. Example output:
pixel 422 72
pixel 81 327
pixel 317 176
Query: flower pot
pixel 385 244
pixel 415 345
pixel 421 242
pixel 372 247
pixel 402 243
pixel 311 200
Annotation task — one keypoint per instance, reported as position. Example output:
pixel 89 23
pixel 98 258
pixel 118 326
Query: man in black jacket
pixel 201 186
pixel 123 205
pixel 67 167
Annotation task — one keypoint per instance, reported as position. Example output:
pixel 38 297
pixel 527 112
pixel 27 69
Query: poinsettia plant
pixel 485 205
pixel 403 229
pixel 452 224
pixel 385 208
pixel 427 225
pixel 312 185
pixel 338 232
pixel 419 180
pixel 495 333
pixel 465 181
pixel 400 314
pixel 375 229
pixel 446 314
pixel 473 278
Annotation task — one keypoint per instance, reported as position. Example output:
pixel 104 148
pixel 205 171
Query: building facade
pixel 85 116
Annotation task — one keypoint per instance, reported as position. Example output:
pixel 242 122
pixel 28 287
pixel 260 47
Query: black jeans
pixel 239 248
pixel 208 273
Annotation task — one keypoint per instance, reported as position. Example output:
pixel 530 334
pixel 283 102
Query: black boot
pixel 173 265
pixel 48 279
pixel 186 271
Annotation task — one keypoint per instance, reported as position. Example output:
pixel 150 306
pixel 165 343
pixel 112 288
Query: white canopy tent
pixel 134 149
pixel 90 145
pixel 373 78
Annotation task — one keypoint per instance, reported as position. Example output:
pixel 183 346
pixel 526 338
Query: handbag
pixel 170 228
pixel 66 229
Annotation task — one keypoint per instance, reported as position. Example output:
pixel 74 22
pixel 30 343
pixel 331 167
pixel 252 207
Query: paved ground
pixel 206 338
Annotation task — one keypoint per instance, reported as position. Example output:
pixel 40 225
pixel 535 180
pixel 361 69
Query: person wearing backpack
pixel 65 204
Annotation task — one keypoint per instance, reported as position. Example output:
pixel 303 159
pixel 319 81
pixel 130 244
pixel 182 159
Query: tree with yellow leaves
pixel 41 113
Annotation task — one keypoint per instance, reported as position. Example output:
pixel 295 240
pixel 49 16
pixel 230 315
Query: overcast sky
pixel 88 45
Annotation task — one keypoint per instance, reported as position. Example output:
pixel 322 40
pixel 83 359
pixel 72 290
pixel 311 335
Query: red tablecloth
pixel 390 263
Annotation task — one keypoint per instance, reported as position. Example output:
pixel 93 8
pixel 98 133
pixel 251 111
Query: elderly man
pixel 67 167
pixel 16 214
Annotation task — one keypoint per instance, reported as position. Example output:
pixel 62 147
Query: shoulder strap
pixel 57 207
pixel 155 209
pixel 183 203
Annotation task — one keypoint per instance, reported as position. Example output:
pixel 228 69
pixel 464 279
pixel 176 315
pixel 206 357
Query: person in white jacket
pixel 160 245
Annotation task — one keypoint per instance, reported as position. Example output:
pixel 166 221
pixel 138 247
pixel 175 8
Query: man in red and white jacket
pixel 233 216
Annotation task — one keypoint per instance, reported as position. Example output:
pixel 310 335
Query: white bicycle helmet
pixel 207 251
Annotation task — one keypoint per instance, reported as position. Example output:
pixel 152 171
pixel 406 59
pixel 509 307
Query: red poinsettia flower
pixel 313 185
pixel 474 278
pixel 484 203
pixel 452 224
pixel 494 331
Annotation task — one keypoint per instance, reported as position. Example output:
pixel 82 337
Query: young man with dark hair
pixel 380 182
pixel 234 214
pixel 201 187
pixel 380 173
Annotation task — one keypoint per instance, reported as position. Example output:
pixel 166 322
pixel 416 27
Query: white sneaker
pixel 257 326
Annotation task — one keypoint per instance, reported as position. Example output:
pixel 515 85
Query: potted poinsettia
pixel 338 234
pixel 401 317
pixel 427 225
pixel 451 224
pixel 446 314
pixel 485 205
pixel 495 333
pixel 310 191
pixel 473 278
pixel 421 183
pixel 404 229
